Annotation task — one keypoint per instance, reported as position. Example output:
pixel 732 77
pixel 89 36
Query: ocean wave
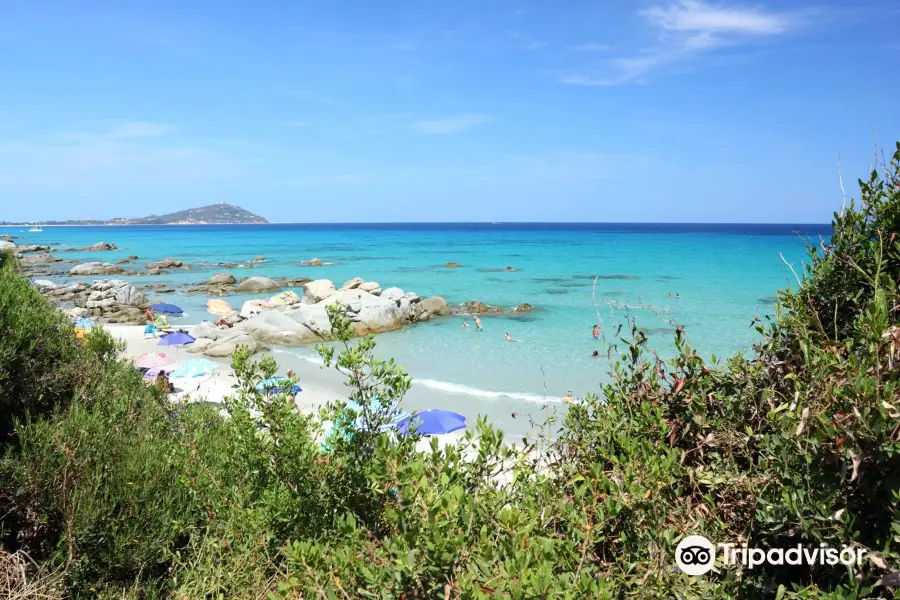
pixel 310 358
pixel 456 388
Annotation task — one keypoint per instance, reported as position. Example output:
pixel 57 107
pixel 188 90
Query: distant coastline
pixel 213 214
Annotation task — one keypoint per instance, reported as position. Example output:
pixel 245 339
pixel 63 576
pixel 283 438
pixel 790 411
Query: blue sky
pixel 656 110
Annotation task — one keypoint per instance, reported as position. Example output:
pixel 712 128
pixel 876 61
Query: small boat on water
pixel 36 229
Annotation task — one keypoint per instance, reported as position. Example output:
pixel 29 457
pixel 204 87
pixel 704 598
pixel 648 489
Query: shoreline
pixel 212 388
pixel 322 385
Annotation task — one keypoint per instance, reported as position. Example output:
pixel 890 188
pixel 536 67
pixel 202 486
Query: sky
pixel 488 110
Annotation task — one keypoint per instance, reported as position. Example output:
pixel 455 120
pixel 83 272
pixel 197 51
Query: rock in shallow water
pixel 318 290
pixel 95 268
pixel 257 284
pixel 221 279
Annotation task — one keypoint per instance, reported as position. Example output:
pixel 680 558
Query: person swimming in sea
pixel 596 332
pixel 465 323
pixel 595 354
pixel 478 325
pixel 509 339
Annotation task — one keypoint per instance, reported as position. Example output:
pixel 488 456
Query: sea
pixel 710 279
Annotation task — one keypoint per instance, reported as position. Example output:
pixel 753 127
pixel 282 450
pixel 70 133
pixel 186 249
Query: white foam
pixel 455 388
pixel 314 359
pixel 444 386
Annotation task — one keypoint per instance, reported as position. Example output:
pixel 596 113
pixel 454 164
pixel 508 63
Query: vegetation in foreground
pixel 108 491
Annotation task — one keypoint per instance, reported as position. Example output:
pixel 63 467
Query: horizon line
pixel 104 224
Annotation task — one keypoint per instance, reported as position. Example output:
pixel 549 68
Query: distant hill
pixel 214 214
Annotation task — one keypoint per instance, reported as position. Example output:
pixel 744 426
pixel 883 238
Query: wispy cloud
pixel 454 124
pixel 591 47
pixel 140 129
pixel 133 153
pixel 695 16
pixel 526 42
pixel 686 30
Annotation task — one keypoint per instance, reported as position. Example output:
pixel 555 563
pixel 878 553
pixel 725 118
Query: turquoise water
pixel 723 276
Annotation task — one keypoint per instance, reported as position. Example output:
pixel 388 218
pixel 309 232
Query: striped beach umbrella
pixel 152 360
pixel 219 307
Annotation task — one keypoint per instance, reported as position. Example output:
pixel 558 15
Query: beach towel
pixel 282 299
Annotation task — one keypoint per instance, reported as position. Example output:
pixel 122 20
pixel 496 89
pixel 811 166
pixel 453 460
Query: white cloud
pixel 697 16
pixel 454 124
pixel 686 30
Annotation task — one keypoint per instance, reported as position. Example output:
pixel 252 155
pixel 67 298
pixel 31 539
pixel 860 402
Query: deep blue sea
pixel 712 279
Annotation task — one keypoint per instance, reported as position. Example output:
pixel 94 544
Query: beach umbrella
pixel 83 323
pixel 152 360
pixel 162 307
pixel 432 422
pixel 219 307
pixel 346 429
pixel 175 339
pixel 196 367
pixel 277 384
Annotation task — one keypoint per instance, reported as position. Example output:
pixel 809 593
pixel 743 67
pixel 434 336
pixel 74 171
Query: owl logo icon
pixel 695 555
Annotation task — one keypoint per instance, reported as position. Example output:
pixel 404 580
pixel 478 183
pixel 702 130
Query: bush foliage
pixel 121 494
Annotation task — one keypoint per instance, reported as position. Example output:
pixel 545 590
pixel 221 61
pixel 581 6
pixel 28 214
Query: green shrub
pixel 40 365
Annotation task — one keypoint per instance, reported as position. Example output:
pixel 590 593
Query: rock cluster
pixel 168 263
pixel 98 247
pixel 24 248
pixel 477 307
pixel 95 268
pixel 40 257
pixel 369 309
pixel 222 284
pixel 113 301
pixel 315 262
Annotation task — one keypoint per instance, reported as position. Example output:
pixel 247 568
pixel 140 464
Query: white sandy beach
pixel 211 388
pixel 320 386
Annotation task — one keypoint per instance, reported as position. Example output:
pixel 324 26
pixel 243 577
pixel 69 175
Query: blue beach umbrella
pixel 83 323
pixel 432 422
pixel 347 429
pixel 175 339
pixel 162 307
pixel 273 385
pixel 197 367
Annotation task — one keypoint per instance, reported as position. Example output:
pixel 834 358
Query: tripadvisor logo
pixel 696 555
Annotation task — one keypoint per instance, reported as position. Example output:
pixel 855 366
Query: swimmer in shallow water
pixel 509 339
pixel 465 323
pixel 595 354
pixel 596 332
pixel 478 326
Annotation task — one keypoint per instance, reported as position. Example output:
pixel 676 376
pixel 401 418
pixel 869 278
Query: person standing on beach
pixel 478 326
pixel 596 332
